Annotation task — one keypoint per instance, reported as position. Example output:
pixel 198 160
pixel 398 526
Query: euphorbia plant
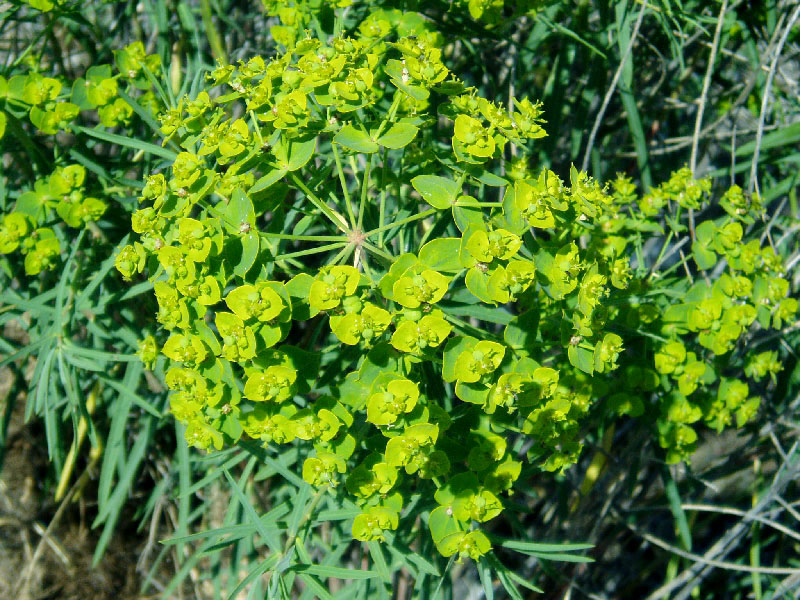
pixel 340 264
pixel 362 283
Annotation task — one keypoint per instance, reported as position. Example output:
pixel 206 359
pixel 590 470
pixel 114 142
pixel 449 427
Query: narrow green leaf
pixel 248 508
pixel 144 115
pixel 26 350
pixel 184 481
pixel 315 586
pixel 121 140
pixel 236 532
pixel 340 514
pixel 674 500
pixel 123 488
pixel 524 582
pixel 261 568
pixel 115 442
pixel 335 572
pixel 379 561
pixel 126 392
pixel 562 557
pixel 539 548
pixel 98 277
pixel 504 575
pixel 301 502
pixel 485 575
pixel 214 474
pixel 408 556
pixel 784 136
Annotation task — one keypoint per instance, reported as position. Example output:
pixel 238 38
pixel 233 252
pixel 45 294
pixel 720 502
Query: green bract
pixel 427 287
pixel 370 322
pixel 331 285
pixel 372 524
pixel 415 336
pixel 478 359
pixel 399 396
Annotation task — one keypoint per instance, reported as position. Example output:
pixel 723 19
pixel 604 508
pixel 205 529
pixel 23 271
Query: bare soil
pixel 46 553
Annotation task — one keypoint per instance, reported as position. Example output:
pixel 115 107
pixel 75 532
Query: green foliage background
pixel 607 108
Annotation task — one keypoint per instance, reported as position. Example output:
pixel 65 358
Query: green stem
pixel 343 181
pixel 165 93
pixel 214 39
pixel 367 270
pixel 56 47
pixel 677 265
pixel 278 236
pixel 467 327
pixel 305 238
pixel 293 535
pixel 334 218
pixel 43 33
pixel 343 255
pixel 378 252
pixel 422 215
pixel 296 264
pixel 337 23
pixel 309 251
pixel 364 191
pixel 309 512
pixel 382 214
pixel 660 254
pixel 480 204
pixel 36 156
pixel 425 237
pixel 390 116
pixel 256 128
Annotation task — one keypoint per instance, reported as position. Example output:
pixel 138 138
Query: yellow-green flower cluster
pixel 294 309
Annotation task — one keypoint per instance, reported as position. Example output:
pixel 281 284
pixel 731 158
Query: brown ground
pixel 39 564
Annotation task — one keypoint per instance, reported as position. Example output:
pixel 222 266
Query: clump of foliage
pixel 364 278
pixel 337 208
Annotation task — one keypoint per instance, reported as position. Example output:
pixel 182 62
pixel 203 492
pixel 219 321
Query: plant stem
pixel 343 255
pixel 343 181
pixel 390 115
pixel 401 222
pixel 310 251
pixel 382 212
pixel 214 39
pixel 334 218
pixel 305 238
pixel 378 252
pixel 364 192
